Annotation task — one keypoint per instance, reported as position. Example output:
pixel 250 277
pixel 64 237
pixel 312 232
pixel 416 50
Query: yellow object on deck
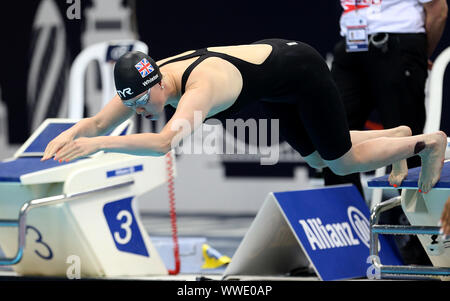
pixel 213 259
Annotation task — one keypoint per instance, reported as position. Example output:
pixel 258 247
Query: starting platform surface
pixel 410 182
pixel 11 171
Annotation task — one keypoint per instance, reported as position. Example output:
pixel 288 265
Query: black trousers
pixel 391 82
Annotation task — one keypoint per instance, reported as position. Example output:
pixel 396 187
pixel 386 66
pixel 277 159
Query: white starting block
pixel 85 210
pixel 423 212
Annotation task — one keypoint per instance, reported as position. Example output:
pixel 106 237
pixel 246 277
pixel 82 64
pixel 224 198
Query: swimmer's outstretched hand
pixel 77 148
pixel 56 144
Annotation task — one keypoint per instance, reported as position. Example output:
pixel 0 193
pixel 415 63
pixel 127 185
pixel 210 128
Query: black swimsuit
pixel 295 86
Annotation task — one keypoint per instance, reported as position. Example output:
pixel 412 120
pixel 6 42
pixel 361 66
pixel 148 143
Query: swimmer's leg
pixel 361 136
pixel 399 168
pixel 315 160
pixel 375 153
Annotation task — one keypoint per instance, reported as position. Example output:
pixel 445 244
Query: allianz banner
pixel 332 225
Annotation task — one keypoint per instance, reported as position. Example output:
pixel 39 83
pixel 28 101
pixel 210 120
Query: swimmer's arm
pixel 109 117
pixel 144 144
pixel 191 111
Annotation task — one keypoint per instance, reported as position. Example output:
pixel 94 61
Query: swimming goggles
pixel 138 102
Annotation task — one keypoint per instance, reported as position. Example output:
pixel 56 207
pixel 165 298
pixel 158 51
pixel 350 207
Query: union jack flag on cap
pixel 144 67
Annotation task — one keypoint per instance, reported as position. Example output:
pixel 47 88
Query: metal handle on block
pixel 376 229
pixel 374 217
pixel 53 200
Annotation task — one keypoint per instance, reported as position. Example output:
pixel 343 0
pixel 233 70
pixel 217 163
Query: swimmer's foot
pixel 400 168
pixel 432 156
pixel 398 173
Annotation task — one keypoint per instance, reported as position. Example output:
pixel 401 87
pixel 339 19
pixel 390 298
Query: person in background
pixel 381 64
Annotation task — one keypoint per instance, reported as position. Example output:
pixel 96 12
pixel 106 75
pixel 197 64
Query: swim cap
pixel 135 72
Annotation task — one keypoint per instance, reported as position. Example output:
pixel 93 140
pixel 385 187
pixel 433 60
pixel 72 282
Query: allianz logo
pixel 337 235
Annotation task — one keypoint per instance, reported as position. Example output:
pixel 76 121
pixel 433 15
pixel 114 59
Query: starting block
pixel 84 210
pixel 423 212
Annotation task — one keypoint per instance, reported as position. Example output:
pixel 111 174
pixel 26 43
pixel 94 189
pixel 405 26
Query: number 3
pixel 125 226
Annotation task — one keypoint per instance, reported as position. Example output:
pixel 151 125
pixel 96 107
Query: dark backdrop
pixel 194 24
pixel 171 28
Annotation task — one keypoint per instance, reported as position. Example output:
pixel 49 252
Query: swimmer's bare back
pixel 224 78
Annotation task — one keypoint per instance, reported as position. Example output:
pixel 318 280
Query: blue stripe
pixel 124 171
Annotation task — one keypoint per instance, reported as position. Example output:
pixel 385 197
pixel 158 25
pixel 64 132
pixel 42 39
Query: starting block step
pixel 410 182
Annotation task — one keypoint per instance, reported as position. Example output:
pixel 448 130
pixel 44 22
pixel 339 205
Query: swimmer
pixel 288 79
